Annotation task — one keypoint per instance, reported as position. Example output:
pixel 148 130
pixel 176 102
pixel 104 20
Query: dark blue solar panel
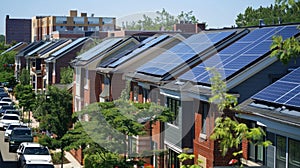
pixel 53 46
pixel 243 52
pixel 285 91
pixel 145 44
pixel 183 52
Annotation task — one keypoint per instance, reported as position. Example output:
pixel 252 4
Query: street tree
pixel 228 132
pixel 26 97
pixel 24 77
pixel 54 111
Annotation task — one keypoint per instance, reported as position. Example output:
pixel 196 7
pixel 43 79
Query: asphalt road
pixel 7 160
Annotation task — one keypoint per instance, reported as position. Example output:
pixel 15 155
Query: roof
pixel 12 48
pixel 36 50
pixel 29 48
pixel 56 45
pixel 66 49
pixel 31 144
pixel 105 45
pixel 240 55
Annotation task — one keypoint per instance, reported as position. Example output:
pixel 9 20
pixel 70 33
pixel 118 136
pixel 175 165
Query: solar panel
pixel 285 91
pixel 104 45
pixel 38 49
pixel 53 46
pixel 242 53
pixel 71 45
pixel 145 44
pixel 182 52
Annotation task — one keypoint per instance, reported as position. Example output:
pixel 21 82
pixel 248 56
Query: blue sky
pixel 216 13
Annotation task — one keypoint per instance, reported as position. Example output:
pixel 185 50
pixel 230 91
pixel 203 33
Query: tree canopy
pixel 163 21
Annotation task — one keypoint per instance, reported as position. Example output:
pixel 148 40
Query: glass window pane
pixel 281 151
pixel 294 154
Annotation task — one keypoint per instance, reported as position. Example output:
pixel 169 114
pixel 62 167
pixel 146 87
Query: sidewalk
pixel 73 162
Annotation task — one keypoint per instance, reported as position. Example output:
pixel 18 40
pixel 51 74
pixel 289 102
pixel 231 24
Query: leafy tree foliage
pixel 271 15
pixel 163 21
pixel 54 110
pixel 24 77
pixel 26 96
pixel 2 38
pixel 229 132
pixel 66 75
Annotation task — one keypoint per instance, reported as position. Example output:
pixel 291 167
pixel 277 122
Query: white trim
pixel 168 93
pixel 173 147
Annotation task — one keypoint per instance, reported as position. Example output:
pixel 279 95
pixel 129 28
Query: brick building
pixel 17 30
pixel 72 26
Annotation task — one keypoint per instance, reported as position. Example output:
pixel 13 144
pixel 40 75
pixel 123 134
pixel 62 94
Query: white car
pixel 10 128
pixel 8 119
pixel 6 99
pixel 29 152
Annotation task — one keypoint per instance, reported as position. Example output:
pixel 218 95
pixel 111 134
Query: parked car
pixel 33 152
pixel 8 119
pixel 2 103
pixel 6 99
pixel 12 111
pixel 5 107
pixel 3 94
pixel 10 128
pixel 38 165
pixel 19 135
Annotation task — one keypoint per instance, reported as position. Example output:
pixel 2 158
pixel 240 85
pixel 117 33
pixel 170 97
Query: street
pixel 7 160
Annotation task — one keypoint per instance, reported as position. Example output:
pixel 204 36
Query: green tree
pixel 228 131
pixel 24 77
pixel 163 21
pixel 289 49
pixel 271 15
pixel 26 97
pixel 56 107
pixel 66 75
pixel 2 38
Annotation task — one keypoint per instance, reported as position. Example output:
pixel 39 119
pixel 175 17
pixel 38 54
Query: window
pixel 107 20
pixel 204 112
pixel 256 152
pixel 78 20
pixel 174 106
pixel 281 151
pixel 61 20
pixel 294 154
pixel 93 20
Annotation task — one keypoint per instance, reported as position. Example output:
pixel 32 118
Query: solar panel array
pixel 130 53
pixel 240 54
pixel 104 45
pixel 53 46
pixel 38 48
pixel 71 45
pixel 182 52
pixel 285 91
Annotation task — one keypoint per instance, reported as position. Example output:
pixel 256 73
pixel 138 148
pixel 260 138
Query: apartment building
pixel 72 26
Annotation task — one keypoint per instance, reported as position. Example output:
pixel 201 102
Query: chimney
pixel 83 15
pixel 73 13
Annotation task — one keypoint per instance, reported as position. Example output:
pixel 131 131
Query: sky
pixel 216 13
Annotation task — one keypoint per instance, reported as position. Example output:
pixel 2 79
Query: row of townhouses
pixel 170 69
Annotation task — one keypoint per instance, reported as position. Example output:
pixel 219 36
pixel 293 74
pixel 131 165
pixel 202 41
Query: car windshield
pixel 36 151
pixel 11 127
pixel 7 107
pixel 12 112
pixel 10 118
pixel 22 132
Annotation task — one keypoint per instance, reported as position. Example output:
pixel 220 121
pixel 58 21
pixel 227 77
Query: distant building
pixel 17 30
pixel 73 26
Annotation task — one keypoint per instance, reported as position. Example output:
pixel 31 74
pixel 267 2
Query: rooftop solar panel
pixel 285 91
pixel 240 54
pixel 182 52
pixel 53 46
pixel 74 43
pixel 145 44
pixel 39 48
pixel 104 45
